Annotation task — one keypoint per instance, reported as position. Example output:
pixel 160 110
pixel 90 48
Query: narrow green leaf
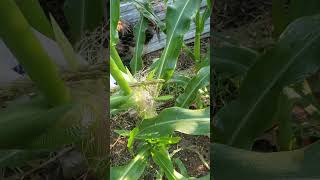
pixel 22 42
pixel 293 59
pixel 177 25
pixel 114 19
pixel 201 80
pixel 284 116
pixel 162 158
pixel 295 165
pixel 182 168
pixel 144 7
pixel 65 45
pixel 134 169
pixel 36 17
pixel 193 122
pixel 139 36
pixel 132 135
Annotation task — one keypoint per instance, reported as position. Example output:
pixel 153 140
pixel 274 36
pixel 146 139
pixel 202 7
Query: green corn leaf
pixel 36 17
pixel 118 76
pixel 183 170
pixel 206 14
pixel 293 59
pixel 139 36
pixel 201 80
pixel 22 123
pixel 22 42
pixel 84 123
pixel 114 19
pixel 180 13
pixel 65 45
pixel 295 165
pixel 134 169
pixel 284 117
pixel 180 79
pixel 164 98
pixel 133 134
pixel 83 15
pixel 193 122
pixel 144 7
pixel 162 158
pixel 233 60
pixel 118 101
pixel 124 133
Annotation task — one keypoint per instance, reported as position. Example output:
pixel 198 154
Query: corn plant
pixel 154 133
pixel 270 86
pixel 59 114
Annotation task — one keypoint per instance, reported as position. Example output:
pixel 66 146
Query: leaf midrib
pixel 131 165
pixel 193 89
pixel 138 42
pixel 274 81
pixel 170 40
pixel 201 119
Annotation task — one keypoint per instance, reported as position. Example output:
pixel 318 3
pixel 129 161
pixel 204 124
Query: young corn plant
pixel 272 82
pixel 154 132
pixel 61 113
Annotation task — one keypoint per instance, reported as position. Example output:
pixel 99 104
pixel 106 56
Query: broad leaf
pixel 21 123
pixel 295 165
pixel 293 59
pixel 233 60
pixel 140 37
pixel 180 13
pixel 199 81
pixel 133 170
pixel 162 158
pixel 193 122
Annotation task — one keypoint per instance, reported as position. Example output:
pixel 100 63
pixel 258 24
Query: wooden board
pixel 129 13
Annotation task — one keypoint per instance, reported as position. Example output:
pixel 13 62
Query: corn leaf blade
pixel 21 123
pixel 295 57
pixel 180 13
pixel 297 164
pixel 133 170
pixel 201 80
pixel 140 37
pixel 193 122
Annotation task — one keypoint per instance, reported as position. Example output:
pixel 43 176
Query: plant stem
pixel 19 38
pixel 117 59
pixel 197 39
pixel 116 73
